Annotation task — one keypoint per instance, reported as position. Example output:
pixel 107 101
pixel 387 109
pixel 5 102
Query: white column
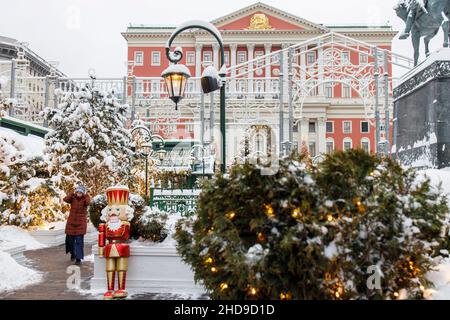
pixel 233 62
pixel 321 136
pixel 320 68
pixel 216 48
pixel 198 64
pixel 285 70
pixel 250 49
pixel 268 71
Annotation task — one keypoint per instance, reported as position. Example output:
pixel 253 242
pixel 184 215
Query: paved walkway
pixel 52 263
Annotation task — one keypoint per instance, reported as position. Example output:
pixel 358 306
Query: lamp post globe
pixel 175 78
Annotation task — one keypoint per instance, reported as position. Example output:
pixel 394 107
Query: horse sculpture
pixel 428 20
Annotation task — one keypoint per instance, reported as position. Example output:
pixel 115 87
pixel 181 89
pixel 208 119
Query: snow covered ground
pixel 14 276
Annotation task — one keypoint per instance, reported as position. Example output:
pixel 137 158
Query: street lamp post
pixel 147 148
pixel 175 76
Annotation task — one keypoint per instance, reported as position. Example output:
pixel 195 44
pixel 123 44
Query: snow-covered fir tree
pixel 27 196
pixel 89 143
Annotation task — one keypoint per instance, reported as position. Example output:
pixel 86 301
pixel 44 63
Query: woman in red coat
pixel 76 225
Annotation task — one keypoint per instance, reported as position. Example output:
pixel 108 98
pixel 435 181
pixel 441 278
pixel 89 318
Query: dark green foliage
pixel 313 232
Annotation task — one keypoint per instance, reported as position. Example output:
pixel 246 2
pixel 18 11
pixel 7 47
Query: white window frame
pixel 226 58
pixel 332 125
pixel 312 154
pixel 346 140
pixel 241 57
pixel 136 63
pixel 360 127
pixel 190 58
pixel 275 59
pixel 329 140
pixel 156 58
pixel 346 86
pixel 259 54
pixel 309 127
pixel 329 86
pixel 207 62
pixel 349 61
pixel 365 140
pixel 343 127
pixel 363 58
pixel 308 55
pixel 263 141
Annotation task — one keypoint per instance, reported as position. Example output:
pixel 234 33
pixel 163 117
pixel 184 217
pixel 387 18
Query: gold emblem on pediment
pixel 259 21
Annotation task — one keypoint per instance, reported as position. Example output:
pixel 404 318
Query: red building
pixel 331 77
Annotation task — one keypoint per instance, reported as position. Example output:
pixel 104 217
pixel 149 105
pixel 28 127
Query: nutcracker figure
pixel 117 231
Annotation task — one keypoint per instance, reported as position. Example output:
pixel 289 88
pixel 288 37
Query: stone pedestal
pixel 151 269
pixel 57 236
pixel 422 114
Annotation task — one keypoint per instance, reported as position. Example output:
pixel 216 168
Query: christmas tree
pixel 353 227
pixel 89 142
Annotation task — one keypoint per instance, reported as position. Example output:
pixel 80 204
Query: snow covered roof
pixel 33 145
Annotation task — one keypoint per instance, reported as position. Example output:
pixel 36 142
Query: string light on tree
pixel 223 286
pixel 296 214
pixel 269 211
pixel 214 269
pixel 209 260
pixel 231 215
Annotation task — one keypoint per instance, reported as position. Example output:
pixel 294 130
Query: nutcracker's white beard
pixel 114 223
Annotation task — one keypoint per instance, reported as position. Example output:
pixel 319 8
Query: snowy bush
pixel 147 223
pixel 312 232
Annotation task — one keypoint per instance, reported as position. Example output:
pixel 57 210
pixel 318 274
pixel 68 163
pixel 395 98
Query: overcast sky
pixel 84 34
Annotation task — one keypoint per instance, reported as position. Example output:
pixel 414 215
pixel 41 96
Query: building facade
pixel 323 111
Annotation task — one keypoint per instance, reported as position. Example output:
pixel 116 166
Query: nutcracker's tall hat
pixel 117 195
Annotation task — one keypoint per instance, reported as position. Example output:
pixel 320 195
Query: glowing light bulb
pixel 329 217
pixel 253 291
pixel 209 260
pixel 231 215
pixel 214 269
pixel 396 294
pixel 223 286
pixel 296 214
pixel 269 211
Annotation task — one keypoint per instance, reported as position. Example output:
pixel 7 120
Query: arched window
pixel 348 144
pixel 260 143
pixel 365 144
pixel 330 145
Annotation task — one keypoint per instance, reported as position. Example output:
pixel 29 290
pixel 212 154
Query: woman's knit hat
pixel 81 189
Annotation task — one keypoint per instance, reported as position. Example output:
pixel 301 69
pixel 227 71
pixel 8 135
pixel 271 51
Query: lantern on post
pixel 175 78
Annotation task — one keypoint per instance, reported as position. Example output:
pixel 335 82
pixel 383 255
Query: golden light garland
pixel 285 296
pixel 214 269
pixel 296 214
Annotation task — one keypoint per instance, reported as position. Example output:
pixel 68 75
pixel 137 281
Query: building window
pixel 190 58
pixel 312 149
pixel 329 90
pixel 295 127
pixel 346 91
pixel 347 144
pixel 259 89
pixel 276 59
pixel 138 58
pixel 345 58
pixel 155 87
pixel 330 126
pixel 189 127
pixel 330 146
pixel 241 57
pixel 311 58
pixel 226 58
pixel 347 127
pixel 365 145
pixel 364 127
pixel 260 62
pixel 156 58
pixel 363 58
pixel 207 58
pixel 312 127
pixel 260 143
